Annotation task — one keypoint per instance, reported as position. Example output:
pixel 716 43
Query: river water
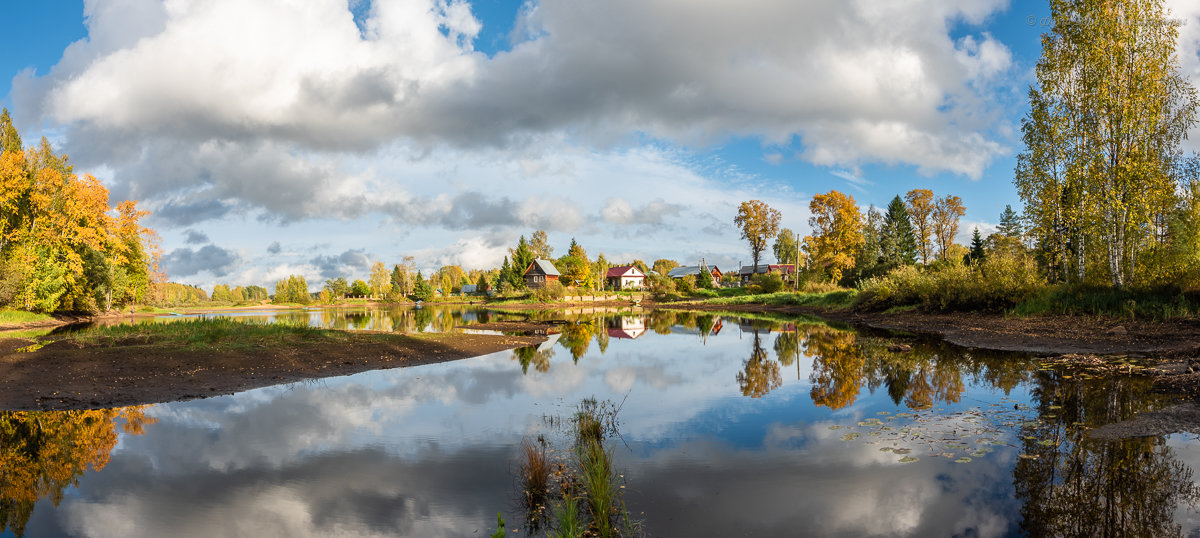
pixel 728 426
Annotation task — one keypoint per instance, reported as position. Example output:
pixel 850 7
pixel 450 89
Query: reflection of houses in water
pixel 715 328
pixel 628 327
pixel 548 345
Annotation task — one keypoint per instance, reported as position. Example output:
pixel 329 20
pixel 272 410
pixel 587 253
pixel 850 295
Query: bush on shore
pixel 999 282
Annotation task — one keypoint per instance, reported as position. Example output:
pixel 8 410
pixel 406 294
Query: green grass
pixel 772 317
pixel 211 333
pixel 25 335
pixel 1155 303
pixel 21 316
pixel 831 299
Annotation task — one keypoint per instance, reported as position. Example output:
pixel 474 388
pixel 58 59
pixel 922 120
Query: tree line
pixel 847 245
pixel 62 246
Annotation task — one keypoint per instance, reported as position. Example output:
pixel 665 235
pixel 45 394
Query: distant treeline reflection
pixel 918 374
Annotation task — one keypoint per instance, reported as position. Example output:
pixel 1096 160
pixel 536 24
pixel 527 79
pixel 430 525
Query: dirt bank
pixel 1045 335
pixel 64 375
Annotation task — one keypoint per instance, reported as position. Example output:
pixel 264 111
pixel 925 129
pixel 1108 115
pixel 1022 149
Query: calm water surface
pixel 729 427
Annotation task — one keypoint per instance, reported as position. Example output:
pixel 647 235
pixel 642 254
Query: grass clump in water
pixel 580 494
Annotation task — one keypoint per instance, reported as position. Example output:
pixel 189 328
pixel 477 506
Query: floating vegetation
pixel 960 436
pixel 1092 366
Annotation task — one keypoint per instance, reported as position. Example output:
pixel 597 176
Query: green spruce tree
pixel 977 253
pixel 897 240
pixel 1010 223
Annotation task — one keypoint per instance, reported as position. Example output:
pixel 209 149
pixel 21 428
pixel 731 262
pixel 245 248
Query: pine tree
pixel 898 241
pixel 422 290
pixel 1010 223
pixel 522 258
pixel 505 274
pixel 977 253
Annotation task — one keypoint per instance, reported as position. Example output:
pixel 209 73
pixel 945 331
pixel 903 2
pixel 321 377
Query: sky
pixel 315 137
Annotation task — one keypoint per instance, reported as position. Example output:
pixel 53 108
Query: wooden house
pixel 747 271
pixel 539 273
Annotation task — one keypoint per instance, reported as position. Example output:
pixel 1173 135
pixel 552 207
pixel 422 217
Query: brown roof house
pixel 539 273
pixel 747 271
pixel 625 276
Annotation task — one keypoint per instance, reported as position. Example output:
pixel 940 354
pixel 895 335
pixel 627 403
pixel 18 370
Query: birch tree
pixel 1102 136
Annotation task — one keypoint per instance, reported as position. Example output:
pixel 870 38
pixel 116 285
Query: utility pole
pixel 796 268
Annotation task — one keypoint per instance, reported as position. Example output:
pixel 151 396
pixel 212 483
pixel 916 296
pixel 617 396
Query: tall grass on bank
pixel 1154 303
pixel 20 316
pixel 828 299
pixel 204 333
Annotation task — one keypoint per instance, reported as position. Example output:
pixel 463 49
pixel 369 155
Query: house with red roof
pixel 625 277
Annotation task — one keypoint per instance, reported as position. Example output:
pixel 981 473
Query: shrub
pixel 1002 281
pixel 661 286
pixel 768 283
pixel 551 292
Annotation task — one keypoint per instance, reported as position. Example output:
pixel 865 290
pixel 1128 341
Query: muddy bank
pixel 527 328
pixel 1047 335
pixel 63 375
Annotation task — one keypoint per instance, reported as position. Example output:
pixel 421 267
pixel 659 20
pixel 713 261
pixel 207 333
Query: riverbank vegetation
pixel 63 248
pixel 1111 217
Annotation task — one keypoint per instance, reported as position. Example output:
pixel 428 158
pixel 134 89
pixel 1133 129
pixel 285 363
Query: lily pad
pixel 909 459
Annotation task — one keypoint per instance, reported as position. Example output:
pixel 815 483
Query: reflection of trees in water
pixel 760 374
pixel 293 317
pixel 422 318
pixel 661 321
pixel 921 377
pixel 578 335
pixel 540 359
pixel 787 347
pixel 838 366
pixel 1070 485
pixel 44 452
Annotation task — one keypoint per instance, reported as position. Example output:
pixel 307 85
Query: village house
pixel 694 270
pixel 625 277
pixel 539 273
pixel 748 271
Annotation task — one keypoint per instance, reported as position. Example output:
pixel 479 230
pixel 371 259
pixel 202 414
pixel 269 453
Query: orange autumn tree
pixel 62 246
pixel 837 227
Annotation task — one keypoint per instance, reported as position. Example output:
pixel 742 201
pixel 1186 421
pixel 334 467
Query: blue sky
pixel 272 138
